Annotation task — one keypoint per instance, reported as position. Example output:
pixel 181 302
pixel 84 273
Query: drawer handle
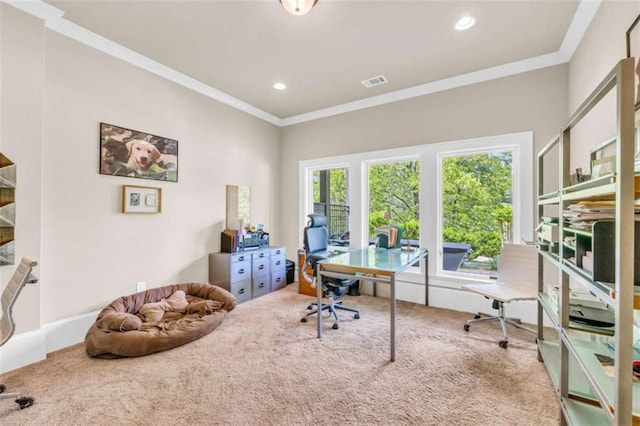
pixel 241 258
pixel 261 255
pixel 261 267
pixel 241 291
pixel 277 251
pixel 241 271
pixel 261 285
pixel 278 262
pixel 278 279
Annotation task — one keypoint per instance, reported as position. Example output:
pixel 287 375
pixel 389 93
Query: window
pixel 394 198
pixel 477 211
pixel 331 199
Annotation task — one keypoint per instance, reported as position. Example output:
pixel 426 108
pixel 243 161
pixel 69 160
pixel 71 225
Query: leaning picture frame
pixel 141 199
pixel 633 50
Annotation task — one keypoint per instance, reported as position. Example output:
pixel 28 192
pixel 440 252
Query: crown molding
pixel 53 18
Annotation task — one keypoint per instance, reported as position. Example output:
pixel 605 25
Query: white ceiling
pixel 236 50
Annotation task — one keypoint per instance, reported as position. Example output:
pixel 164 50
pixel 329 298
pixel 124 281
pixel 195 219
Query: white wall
pixel 21 140
pixel 55 92
pixel 601 48
pixel 92 252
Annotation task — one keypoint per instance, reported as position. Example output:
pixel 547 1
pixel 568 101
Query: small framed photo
pixel 141 199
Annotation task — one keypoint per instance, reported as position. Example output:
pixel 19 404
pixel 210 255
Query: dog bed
pixel 157 319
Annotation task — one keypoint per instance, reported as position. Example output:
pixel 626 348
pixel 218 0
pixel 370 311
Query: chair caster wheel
pixel 335 326
pixel 303 320
pixel 466 327
pixel 356 316
pixel 24 402
pixel 477 316
pixel 503 344
pixel 2 388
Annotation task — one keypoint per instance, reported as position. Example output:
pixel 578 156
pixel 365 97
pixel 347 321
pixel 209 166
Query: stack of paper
pixel 581 215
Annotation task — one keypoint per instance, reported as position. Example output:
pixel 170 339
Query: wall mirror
pixel 238 206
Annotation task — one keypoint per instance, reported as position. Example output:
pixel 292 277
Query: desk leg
pixel 319 293
pixel 393 317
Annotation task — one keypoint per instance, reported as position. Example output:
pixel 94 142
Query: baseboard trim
pixel 33 346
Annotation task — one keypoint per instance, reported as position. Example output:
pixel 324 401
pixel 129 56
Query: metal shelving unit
pixel 588 393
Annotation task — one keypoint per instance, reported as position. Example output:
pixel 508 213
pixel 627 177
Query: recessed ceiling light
pixel 279 86
pixel 465 23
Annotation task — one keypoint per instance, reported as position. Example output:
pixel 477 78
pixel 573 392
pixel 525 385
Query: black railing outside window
pixel 337 219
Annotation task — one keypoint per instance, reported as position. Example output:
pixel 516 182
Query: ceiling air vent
pixel 374 81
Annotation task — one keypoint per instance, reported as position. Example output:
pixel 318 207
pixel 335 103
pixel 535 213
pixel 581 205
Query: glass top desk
pixel 381 265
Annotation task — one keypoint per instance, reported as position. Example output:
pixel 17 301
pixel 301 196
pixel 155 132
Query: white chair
pixel 517 280
pixel 20 278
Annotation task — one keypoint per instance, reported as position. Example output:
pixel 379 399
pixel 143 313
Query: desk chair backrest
pixel 518 265
pixel 316 234
pixel 20 278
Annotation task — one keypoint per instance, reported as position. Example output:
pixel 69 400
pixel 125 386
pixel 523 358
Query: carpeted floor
pixel 262 366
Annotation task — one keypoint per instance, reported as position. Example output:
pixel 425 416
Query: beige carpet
pixel 262 366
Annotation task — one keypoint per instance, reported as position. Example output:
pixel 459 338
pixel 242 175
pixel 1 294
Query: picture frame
pixel 141 199
pixel 132 153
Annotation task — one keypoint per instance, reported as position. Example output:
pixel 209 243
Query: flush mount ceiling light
pixel 298 7
pixel 465 23
pixel 279 86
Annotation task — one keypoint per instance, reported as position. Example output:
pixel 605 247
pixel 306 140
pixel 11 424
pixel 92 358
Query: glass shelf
pixel 551 309
pixel 582 413
pixel 584 347
pixel 549 198
pixel 602 188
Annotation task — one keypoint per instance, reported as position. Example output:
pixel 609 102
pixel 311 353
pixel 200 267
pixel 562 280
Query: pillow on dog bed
pixel 153 312
pixel 204 307
pixel 119 321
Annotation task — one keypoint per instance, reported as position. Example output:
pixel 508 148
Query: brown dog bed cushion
pixel 120 329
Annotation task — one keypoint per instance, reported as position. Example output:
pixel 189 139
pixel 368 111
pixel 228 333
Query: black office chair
pixel 316 243
pixel 20 278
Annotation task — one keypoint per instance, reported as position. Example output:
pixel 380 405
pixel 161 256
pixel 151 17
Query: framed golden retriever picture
pixel 131 153
pixel 141 199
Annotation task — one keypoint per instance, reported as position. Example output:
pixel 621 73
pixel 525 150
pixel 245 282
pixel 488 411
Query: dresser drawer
pixel 260 254
pixel 241 290
pixel 277 251
pixel 278 263
pixel 261 266
pixel 240 257
pixel 261 285
pixel 240 271
pixel 278 280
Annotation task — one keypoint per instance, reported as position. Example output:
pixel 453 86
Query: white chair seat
pixel 503 292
